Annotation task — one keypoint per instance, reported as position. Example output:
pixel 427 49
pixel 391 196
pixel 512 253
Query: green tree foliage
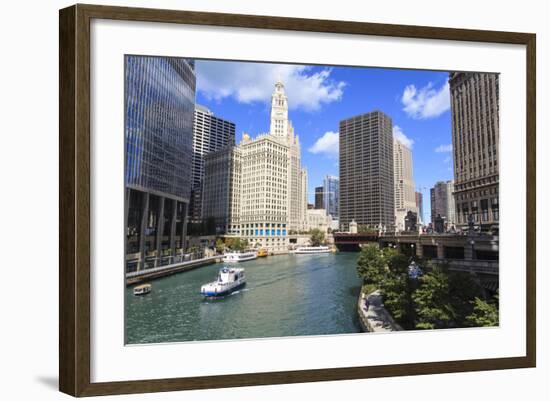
pixel 440 298
pixel 388 253
pixel 396 292
pixel 194 250
pixel 445 298
pixel 317 237
pixel 397 288
pixel 463 290
pixel 371 265
pixel 220 245
pixel 431 300
pixel 398 263
pixel 484 314
pixel 236 244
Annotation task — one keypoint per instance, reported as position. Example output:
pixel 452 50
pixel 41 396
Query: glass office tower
pixel 331 187
pixel 159 111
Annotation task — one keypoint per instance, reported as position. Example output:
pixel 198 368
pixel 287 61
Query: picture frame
pixel 75 200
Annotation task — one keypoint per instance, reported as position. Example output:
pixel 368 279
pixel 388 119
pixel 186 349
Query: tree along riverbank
pixel 436 298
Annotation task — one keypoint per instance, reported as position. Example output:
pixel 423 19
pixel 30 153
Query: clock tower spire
pixel 279 111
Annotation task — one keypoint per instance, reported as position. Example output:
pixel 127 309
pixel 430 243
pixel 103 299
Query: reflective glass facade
pixel 159 107
pixel 331 195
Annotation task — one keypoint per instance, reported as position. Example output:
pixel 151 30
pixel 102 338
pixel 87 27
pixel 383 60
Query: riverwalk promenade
pixel 375 318
pixel 161 271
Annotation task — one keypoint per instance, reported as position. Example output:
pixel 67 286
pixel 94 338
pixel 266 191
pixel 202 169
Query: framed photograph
pixel 250 200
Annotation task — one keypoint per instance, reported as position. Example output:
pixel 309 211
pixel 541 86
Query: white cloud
pixel 401 137
pixel 444 148
pixel 328 144
pixel 254 82
pixel 426 102
pixel 447 159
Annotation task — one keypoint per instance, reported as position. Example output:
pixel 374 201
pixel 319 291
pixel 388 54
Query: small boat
pixel 142 289
pixel 229 279
pixel 233 257
pixel 312 249
pixel 262 253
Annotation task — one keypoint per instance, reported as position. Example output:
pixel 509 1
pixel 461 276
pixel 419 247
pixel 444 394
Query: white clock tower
pixel 279 111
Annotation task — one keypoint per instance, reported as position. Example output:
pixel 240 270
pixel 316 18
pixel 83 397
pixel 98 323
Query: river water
pixel 287 295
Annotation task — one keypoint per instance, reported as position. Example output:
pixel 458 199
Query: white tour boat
pixel 233 257
pixel 142 289
pixel 229 279
pixel 312 249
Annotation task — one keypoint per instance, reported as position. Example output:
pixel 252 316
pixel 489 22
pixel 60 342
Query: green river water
pixel 287 295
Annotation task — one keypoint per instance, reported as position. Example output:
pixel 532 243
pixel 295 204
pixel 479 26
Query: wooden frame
pixel 74 199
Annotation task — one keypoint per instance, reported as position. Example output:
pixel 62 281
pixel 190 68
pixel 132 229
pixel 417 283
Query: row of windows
pixel 260 232
pixel 159 123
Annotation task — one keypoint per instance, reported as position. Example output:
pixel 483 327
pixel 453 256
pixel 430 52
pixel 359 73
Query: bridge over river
pixel 477 253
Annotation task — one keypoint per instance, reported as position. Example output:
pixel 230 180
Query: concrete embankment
pixel 375 318
pixel 161 271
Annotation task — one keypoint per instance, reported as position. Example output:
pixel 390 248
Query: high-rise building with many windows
pixel 419 198
pixel 443 204
pixel 475 123
pixel 331 189
pixel 366 171
pixel 267 184
pixel 159 108
pixel 222 186
pixel 319 197
pixel 405 199
pixel 210 133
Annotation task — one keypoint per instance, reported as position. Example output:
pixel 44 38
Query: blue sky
pixel 319 97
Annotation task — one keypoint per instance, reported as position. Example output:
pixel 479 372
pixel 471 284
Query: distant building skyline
pixel 279 123
pixel 241 92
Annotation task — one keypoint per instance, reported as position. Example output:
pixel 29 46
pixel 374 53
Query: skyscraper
pixel 319 197
pixel 475 119
pixel 420 206
pixel 331 189
pixel 366 171
pixel 442 203
pixel 405 199
pixel 267 179
pixel 222 189
pixel 210 133
pixel 159 108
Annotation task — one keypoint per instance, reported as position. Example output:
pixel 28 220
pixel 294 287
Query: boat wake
pixel 239 291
